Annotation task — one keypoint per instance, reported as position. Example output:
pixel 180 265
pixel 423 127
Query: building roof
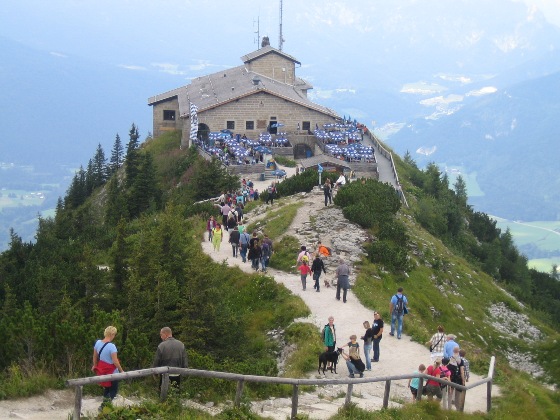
pixel 225 86
pixel 267 50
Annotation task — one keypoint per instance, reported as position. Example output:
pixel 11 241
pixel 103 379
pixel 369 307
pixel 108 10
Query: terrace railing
pixel 295 383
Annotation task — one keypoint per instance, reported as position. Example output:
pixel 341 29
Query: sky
pixel 182 36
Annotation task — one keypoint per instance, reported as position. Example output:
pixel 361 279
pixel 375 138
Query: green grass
pixel 283 160
pixel 18 382
pixel 308 346
pixel 277 220
pixel 285 254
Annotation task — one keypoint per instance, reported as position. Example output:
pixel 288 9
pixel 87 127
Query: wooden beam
pixel 164 386
pixel 386 394
pixel 239 393
pixel 77 403
pixel 348 394
pixel 295 393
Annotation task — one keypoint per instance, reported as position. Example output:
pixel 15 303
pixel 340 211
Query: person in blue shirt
pixel 450 345
pixel 397 309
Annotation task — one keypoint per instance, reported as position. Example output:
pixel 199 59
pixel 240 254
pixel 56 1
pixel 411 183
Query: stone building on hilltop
pixel 248 99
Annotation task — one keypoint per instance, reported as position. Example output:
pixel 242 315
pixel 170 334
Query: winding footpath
pixel 397 356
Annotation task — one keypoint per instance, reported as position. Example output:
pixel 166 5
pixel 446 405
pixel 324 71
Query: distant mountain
pixel 56 109
pixel 509 138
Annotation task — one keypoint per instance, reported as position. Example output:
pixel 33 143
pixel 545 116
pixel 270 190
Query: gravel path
pixel 397 356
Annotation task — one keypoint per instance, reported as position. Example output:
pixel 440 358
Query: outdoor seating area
pixel 238 149
pixel 343 141
pixel 355 152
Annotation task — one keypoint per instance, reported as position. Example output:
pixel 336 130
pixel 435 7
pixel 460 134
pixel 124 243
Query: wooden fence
pixel 295 383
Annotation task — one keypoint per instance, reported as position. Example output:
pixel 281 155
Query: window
pixel 261 124
pixel 230 125
pixel 306 125
pixel 249 125
pixel 168 115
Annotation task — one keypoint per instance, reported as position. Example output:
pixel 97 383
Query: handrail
pixel 295 382
pixel 389 156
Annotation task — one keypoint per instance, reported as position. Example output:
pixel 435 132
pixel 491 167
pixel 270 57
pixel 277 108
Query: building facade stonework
pixel 248 99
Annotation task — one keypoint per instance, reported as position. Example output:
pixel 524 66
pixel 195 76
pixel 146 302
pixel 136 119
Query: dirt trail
pixel 397 356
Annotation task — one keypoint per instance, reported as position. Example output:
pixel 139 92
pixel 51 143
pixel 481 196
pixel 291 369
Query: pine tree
pixel 116 208
pixel 132 157
pixel 144 194
pixel 461 190
pixel 99 167
pixel 117 156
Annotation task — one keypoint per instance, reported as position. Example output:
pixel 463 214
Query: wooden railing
pixel 295 383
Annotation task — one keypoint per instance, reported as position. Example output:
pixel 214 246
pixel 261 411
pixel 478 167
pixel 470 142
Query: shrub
pixel 283 160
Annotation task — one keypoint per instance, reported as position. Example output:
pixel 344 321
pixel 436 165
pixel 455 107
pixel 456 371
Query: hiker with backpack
pixel 303 253
pixel 266 249
pixel 397 309
pixel 316 269
pixel 244 239
pixel 343 279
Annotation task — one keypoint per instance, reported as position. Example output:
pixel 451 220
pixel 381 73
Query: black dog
pixel 329 356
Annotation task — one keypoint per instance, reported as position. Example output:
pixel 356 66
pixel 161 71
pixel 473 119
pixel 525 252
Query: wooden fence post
pixel 461 403
pixel 489 384
pixel 420 389
pixel 295 401
pixel 349 394
pixel 164 386
pixel 239 392
pixel 386 395
pixel 77 403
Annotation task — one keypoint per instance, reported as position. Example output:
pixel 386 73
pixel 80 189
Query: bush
pixel 283 160
pixel 303 182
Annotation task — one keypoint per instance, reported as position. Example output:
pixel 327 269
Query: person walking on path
pixel 316 269
pixel 377 334
pixel 304 270
pixel 368 344
pixel 271 194
pixel 225 209
pixel 244 240
pixel 210 225
pixel 234 241
pixel 255 254
pixel 106 362
pixel 266 252
pixel 433 388
pixel 303 253
pixel 170 352
pixel 343 282
pixel 397 309
pixel 437 343
pixel 217 237
pixel 327 191
pixel 450 344
pixel 414 383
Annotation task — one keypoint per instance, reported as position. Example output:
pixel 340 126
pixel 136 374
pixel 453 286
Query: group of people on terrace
pixel 239 150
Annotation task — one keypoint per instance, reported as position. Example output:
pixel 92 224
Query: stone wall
pixel 160 125
pixel 274 66
pixel 259 108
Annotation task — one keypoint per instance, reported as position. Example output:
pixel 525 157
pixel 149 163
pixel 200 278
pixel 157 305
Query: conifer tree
pixel 117 156
pixel 132 157
pixel 116 207
pixel 99 167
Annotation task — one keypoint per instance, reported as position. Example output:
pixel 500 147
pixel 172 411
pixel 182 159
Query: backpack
pixel 399 306
pixel 265 249
pixel 244 239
